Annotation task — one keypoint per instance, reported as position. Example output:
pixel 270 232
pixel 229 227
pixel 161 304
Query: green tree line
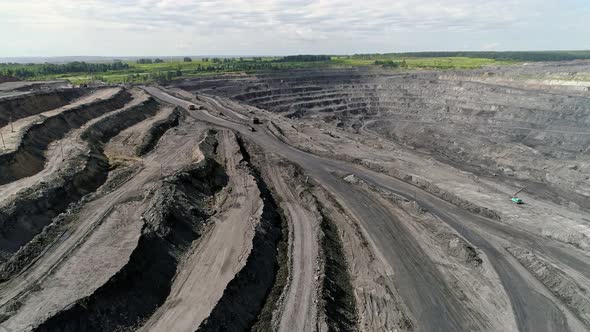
pixel 391 63
pixel 24 71
pixel 503 56
pixel 304 58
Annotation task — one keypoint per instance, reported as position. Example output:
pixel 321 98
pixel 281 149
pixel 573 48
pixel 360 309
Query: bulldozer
pixel 515 198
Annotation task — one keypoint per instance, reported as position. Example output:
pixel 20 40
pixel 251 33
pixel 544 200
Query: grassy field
pixel 424 63
pixel 175 69
pixel 527 56
pixel 135 72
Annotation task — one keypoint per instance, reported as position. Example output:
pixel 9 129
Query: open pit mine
pixel 303 200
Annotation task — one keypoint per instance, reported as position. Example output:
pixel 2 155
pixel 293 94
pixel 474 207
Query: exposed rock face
pixel 359 200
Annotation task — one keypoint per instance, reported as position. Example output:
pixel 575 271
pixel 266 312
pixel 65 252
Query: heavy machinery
pixel 515 198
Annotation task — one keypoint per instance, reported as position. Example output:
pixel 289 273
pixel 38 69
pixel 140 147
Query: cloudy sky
pixel 278 27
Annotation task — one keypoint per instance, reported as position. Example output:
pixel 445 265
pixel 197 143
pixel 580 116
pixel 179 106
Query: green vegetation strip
pixel 149 70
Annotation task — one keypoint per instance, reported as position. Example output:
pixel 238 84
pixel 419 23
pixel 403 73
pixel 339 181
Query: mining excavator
pixel 515 198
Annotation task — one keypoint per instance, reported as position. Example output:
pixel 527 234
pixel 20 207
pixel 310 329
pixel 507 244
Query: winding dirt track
pixel 12 133
pixel 80 259
pixel 217 256
pixel 299 310
pixel 434 304
pixel 58 154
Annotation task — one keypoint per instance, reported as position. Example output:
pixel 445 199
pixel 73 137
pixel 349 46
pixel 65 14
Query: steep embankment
pixel 28 157
pixel 565 287
pixel 25 213
pixel 17 107
pixel 94 239
pixel 176 215
pixel 244 296
pixel 159 127
pixel 4 79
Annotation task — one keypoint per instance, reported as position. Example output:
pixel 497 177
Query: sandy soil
pixel 98 242
pixel 218 255
pixel 363 200
pixel 59 154
pixel 13 132
pixel 120 148
pixel 298 311
pixel 364 210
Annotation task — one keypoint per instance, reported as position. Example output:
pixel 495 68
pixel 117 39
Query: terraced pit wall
pixel 19 107
pixel 37 206
pixel 516 133
pixel 176 216
pixel 29 157
pixel 245 295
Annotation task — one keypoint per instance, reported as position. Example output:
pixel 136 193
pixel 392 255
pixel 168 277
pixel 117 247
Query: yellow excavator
pixel 515 198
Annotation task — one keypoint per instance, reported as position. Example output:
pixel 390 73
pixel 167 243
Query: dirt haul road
pixel 218 255
pixel 299 307
pixel 13 132
pixel 435 305
pixel 104 231
pixel 122 209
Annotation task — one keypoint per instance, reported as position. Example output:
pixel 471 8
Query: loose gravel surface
pixel 360 200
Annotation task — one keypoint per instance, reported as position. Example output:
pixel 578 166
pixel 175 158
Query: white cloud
pixel 268 26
